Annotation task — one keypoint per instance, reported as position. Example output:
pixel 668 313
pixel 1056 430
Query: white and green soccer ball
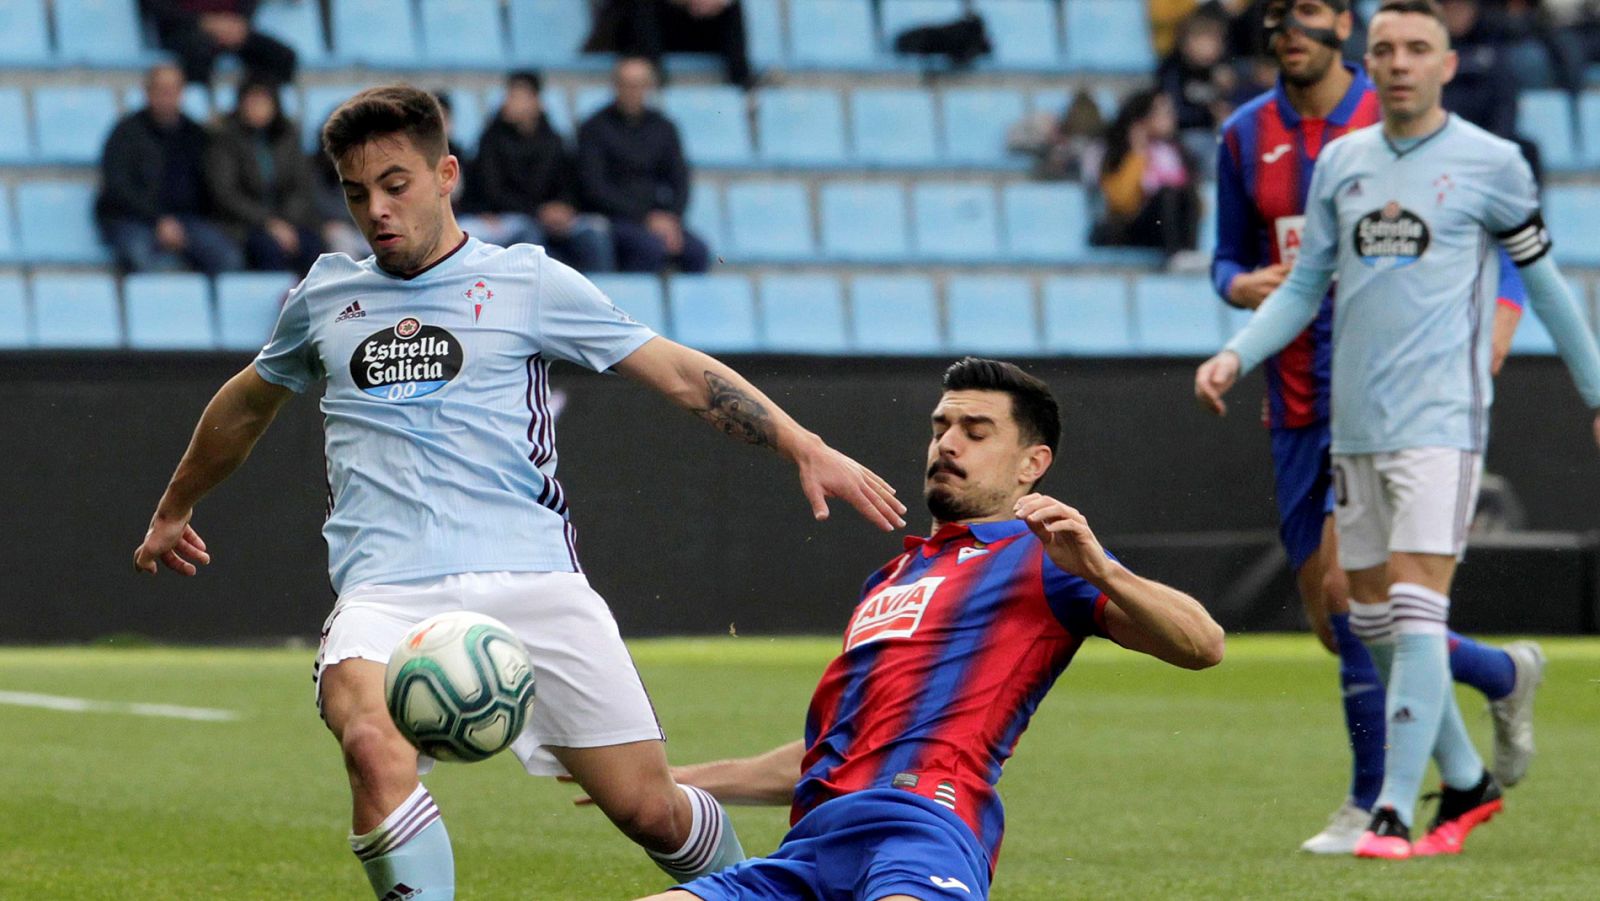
pixel 460 686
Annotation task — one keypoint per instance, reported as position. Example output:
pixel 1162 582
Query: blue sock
pixel 1484 667
pixel 1419 692
pixel 1363 713
pixel 408 855
pixel 711 845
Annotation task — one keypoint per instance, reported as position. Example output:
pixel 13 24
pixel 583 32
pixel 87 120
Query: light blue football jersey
pixel 1411 233
pixel 441 451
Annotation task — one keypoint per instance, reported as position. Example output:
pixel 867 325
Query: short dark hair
pixel 1420 7
pixel 529 78
pixel 1032 405
pixel 386 110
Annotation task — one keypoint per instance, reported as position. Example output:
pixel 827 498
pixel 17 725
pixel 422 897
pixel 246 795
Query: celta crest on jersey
pixel 407 361
pixel 894 612
pixel 479 294
pixel 1390 238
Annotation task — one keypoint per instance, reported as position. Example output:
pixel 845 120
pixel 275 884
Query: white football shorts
pixel 587 692
pixel 1419 500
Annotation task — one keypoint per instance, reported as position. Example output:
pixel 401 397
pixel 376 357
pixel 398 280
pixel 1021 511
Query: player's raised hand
pixel 825 473
pixel 1213 379
pixel 172 542
pixel 1066 536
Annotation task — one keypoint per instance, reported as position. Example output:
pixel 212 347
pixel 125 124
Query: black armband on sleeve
pixel 1528 242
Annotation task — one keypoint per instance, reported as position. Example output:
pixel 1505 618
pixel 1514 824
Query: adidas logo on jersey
pixel 1403 715
pixel 400 892
pixel 353 311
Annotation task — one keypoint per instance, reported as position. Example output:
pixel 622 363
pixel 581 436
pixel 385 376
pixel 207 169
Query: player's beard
pixel 1318 62
pixel 417 255
pixel 949 505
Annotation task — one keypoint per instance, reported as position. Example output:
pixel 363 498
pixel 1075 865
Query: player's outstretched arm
pixel 1142 615
pixel 764 779
pixel 233 421
pixel 725 399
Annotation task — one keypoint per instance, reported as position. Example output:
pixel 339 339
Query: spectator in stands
pixel 261 182
pixel 650 28
pixel 1198 80
pixel 1147 180
pixel 198 31
pixel 1065 145
pixel 631 168
pixel 153 207
pixel 525 184
pixel 1484 90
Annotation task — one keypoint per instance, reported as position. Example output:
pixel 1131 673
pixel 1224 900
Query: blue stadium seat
pixel 169 311
pixel 467 118
pixel 548 32
pixel 893 127
pixel 1573 212
pixel 1207 239
pixel 1046 222
pixel 1546 118
pixel 248 305
pixel 711 121
pixel 1108 36
pixel 769 221
pixel 24 39
pixel 196 101
pixel 1024 33
pixel 590 99
pixel 802 314
pixel 99 33
pixel 14 324
pixel 992 314
pixel 1589 127
pixel 1177 315
pixel 955 221
pixel 763 30
pixel 15 147
pixel 557 108
pixel 297 23
pixel 975 125
pixel 801 127
pixel 1532 338
pixel 374 33
pixel 894 314
pixel 896 16
pixel 704 216
pixel 76 310
pixel 462 34
pixel 864 222
pixel 9 250
pixel 1087 315
pixel 831 34
pixel 55 222
pixel 1049 100
pixel 637 294
pixel 71 123
pixel 320 102
pixel 713 312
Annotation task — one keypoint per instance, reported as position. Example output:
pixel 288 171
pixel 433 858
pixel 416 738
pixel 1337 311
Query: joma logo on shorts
pixel 894 612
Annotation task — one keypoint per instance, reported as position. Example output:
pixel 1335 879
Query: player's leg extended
pixel 683 829
pixel 396 831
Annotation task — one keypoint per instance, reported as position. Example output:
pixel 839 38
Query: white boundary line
pixel 84 705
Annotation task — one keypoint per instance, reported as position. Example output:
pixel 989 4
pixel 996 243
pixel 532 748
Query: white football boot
pixel 1513 715
pixel 1342 832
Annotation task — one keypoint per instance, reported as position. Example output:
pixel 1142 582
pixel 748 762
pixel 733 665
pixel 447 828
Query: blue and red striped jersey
pixel 948 654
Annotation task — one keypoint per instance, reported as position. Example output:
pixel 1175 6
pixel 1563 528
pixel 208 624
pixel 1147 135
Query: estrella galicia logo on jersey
pixel 1391 237
pixel 894 612
pixel 407 361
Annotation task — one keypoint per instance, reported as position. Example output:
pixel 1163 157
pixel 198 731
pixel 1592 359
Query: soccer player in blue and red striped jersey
pixel 948 653
pixel 1268 150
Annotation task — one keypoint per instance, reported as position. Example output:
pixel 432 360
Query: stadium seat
pixel 71 123
pixel 195 103
pixel 15 147
pixel 297 23
pixel 9 250
pixel 802 314
pixel 378 33
pixel 864 222
pixel 1573 212
pixel 831 34
pixel 801 127
pixel 99 33
pixel 1024 33
pixel 55 222
pixel 992 314
pixel 896 16
pixel 955 221
pixel 763 30
pixel 14 324
pixel 24 39
pixel 1177 315
pixel 1087 315
pixel 548 32
pixel 975 124
pixel 1108 36
pixel 1046 222
pixel 893 127
pixel 711 122
pixel 248 305
pixel 637 294
pixel 704 216
pixel 769 221
pixel 713 312
pixel 76 310
pixel 1532 338
pixel 557 108
pixel 462 34
pixel 320 102
pixel 467 118
pixel 169 311
pixel 894 314
pixel 1546 118
pixel 1589 128
pixel 588 100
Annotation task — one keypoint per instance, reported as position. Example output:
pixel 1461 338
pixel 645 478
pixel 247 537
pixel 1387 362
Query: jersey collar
pixel 986 532
pixel 1360 84
pixel 453 254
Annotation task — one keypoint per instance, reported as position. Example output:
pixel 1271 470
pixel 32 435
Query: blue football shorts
pixel 1303 474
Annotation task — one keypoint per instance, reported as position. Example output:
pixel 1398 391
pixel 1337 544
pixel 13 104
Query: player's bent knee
pixel 650 819
pixel 374 751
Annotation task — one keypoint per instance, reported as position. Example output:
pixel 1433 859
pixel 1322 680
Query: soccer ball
pixel 459 686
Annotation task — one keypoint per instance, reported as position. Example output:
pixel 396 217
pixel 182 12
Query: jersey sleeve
pixel 1511 210
pixel 1077 605
pixel 1511 291
pixel 290 359
pixel 577 322
pixel 1238 245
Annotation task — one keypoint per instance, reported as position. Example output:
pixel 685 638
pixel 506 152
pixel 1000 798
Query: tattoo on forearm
pixel 736 413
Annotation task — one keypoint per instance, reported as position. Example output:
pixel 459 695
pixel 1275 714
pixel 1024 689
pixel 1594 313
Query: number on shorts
pixel 1341 492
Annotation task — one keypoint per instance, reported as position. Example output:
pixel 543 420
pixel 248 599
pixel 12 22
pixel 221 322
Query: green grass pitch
pixel 1136 781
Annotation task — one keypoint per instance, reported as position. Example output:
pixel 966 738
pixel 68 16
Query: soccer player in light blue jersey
pixel 435 354
pixel 1406 215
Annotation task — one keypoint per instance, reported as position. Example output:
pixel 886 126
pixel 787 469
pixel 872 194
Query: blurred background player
pixel 1267 151
pixel 1403 215
pixel 950 650
pixel 442 492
